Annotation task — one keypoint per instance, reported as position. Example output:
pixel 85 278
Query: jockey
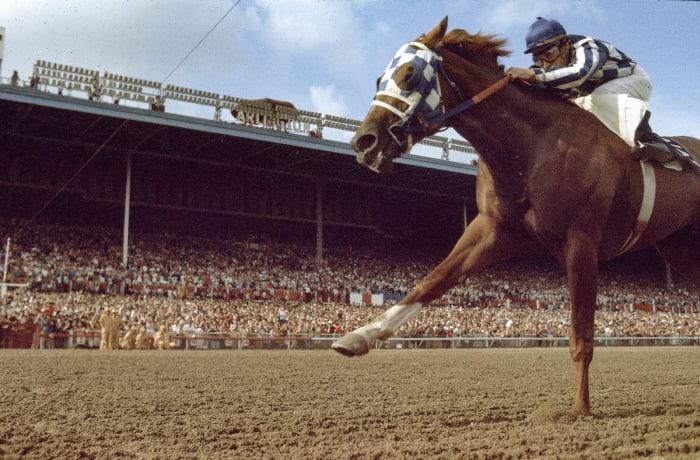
pixel 602 80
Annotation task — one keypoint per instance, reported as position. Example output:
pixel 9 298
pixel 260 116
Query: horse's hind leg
pixel 581 260
pixel 682 251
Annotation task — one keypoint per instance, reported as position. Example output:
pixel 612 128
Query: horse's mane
pixel 469 45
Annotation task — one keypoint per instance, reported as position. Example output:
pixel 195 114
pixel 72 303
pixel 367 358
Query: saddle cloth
pixel 680 152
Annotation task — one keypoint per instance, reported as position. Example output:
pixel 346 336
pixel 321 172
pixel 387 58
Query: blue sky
pixel 325 55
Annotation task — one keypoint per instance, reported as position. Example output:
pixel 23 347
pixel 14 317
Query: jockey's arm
pixel 518 73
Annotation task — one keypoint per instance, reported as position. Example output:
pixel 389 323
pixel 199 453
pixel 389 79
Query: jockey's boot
pixel 648 144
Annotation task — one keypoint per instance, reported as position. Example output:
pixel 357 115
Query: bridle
pixel 422 96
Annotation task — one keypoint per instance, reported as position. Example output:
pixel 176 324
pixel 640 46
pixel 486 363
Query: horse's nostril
pixel 364 142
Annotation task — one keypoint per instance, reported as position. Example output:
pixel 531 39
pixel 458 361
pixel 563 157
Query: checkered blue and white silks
pixel 422 93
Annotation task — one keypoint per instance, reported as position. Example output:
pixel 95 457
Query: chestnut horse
pixel 551 179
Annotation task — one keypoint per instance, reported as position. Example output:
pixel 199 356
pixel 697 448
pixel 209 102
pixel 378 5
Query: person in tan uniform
pixel 113 333
pixel 129 339
pixel 161 339
pixel 142 342
pixel 105 326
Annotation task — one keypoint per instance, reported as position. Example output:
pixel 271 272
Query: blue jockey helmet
pixel 543 32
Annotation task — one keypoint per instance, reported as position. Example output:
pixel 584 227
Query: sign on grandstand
pixel 357 298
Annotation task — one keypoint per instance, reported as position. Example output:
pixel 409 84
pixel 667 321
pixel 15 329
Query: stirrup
pixel 656 151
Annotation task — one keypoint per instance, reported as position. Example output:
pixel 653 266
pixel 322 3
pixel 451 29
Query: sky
pixel 325 55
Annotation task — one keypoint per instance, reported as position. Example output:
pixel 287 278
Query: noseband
pixel 422 96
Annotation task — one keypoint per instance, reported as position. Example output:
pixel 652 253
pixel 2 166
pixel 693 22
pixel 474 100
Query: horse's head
pixel 407 91
pixel 409 104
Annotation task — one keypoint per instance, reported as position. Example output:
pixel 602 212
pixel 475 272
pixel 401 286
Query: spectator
pixel 161 339
pixel 113 333
pixel 142 342
pixel 105 329
pixel 202 286
pixel 129 339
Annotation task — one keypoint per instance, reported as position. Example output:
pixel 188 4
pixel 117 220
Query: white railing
pixel 140 93
pixel 216 341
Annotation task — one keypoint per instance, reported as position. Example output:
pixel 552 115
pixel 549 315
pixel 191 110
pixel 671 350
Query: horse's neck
pixel 507 136
pixel 510 128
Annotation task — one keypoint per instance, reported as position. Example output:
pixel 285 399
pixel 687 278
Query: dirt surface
pixel 319 405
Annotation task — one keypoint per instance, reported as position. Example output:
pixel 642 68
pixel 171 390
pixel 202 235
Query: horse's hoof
pixel 351 345
pixel 581 411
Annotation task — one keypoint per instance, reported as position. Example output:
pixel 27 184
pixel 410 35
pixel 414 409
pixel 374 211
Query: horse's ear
pixel 435 36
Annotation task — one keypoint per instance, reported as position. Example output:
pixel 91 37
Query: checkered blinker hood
pixel 422 93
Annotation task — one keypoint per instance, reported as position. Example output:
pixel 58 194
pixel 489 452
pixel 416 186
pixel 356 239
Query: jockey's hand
pixel 517 73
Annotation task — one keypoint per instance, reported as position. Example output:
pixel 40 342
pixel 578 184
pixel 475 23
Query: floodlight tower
pixel 2 42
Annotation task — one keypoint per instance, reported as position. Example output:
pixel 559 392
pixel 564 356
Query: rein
pixel 436 117
pixel 480 96
pixel 428 110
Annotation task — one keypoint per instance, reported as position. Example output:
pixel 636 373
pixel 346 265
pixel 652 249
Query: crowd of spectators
pixel 228 286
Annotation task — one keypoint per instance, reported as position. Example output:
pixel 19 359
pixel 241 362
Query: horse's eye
pixel 415 79
pixel 379 80
pixel 408 77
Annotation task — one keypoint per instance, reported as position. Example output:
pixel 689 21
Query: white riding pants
pixel 620 103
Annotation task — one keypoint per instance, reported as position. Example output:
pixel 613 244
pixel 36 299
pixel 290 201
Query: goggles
pixel 548 55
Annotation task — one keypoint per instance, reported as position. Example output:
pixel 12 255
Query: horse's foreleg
pixel 481 245
pixel 582 269
pixel 358 341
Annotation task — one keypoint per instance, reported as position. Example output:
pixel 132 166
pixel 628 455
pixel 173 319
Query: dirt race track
pixel 318 405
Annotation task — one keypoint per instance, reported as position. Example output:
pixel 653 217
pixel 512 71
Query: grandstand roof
pixel 64 120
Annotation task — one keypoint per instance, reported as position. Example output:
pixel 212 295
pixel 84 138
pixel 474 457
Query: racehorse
pixel 551 179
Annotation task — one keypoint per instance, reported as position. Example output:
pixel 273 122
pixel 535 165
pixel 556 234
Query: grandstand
pixel 92 172
pixel 201 175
